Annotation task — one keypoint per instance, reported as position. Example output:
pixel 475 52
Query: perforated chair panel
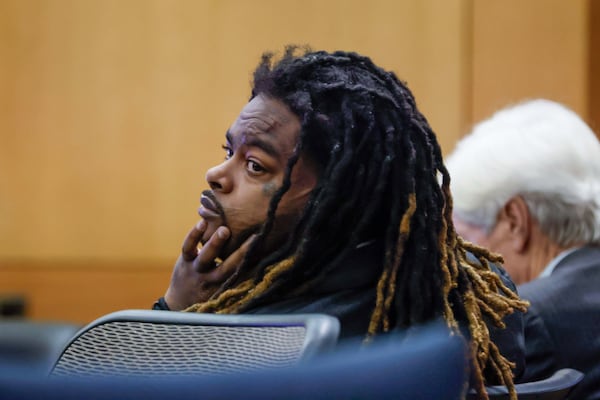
pixel 162 347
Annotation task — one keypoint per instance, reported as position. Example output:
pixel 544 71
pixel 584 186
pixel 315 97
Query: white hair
pixel 539 150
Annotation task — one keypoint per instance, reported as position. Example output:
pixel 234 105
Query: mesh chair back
pixel 162 343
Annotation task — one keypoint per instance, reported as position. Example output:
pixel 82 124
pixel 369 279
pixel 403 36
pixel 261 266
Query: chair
pixel 33 346
pixel 160 343
pixel 430 365
pixel 555 387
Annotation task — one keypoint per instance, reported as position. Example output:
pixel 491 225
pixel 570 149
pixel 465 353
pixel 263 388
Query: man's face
pixel 258 147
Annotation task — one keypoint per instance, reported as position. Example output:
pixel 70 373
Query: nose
pixel 218 178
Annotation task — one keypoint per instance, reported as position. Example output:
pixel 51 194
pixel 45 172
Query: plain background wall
pixel 111 111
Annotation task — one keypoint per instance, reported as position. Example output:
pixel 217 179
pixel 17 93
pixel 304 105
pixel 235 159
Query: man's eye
pixel 228 152
pixel 254 167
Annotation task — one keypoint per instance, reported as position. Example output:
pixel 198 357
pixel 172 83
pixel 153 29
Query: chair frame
pixel 555 387
pixel 321 331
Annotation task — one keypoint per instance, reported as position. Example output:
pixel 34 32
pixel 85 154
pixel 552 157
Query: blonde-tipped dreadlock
pixel 378 163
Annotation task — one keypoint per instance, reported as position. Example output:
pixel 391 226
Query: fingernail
pixel 201 225
pixel 222 233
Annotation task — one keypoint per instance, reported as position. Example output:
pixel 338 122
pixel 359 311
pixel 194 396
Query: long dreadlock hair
pixel 380 171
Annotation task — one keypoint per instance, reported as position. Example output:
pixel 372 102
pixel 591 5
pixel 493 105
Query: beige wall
pixel 594 65
pixel 112 110
pixel 524 49
pixel 115 109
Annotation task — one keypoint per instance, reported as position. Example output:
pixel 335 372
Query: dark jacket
pixel 349 295
pixel 562 326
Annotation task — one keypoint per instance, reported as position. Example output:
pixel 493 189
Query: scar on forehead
pixel 269 189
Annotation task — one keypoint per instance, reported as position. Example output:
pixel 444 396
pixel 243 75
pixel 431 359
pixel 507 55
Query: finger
pixel 230 265
pixel 189 249
pixel 210 250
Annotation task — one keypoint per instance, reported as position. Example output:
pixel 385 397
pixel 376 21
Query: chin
pixel 236 240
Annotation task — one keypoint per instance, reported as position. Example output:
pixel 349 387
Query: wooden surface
pixel 82 291
pixel 528 49
pixel 594 65
pixel 112 110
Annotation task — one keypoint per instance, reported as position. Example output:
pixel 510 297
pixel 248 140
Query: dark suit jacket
pixel 562 326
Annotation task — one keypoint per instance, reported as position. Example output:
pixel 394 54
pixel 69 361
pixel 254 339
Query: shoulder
pixel 509 339
pixel 506 279
pixel 585 257
pixel 577 272
pixel 498 269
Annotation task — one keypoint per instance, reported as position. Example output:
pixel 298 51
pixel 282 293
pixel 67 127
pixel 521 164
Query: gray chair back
pixel 33 346
pixel 166 343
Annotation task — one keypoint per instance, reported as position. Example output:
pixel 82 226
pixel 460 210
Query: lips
pixel 209 206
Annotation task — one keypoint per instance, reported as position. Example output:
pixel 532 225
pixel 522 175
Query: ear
pixel 517 222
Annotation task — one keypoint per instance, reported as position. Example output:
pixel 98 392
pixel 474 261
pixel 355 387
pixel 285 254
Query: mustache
pixel 218 207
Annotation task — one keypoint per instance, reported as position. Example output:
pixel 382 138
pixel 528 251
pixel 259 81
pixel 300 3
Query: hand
pixel 196 275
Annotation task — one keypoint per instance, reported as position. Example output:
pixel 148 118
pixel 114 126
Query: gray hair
pixel 539 150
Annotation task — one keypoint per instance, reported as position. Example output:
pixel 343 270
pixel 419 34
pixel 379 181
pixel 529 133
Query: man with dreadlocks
pixel 329 200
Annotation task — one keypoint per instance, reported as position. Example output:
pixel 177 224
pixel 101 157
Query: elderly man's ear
pixel 516 223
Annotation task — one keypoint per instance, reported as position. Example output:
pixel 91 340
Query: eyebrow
pixel 254 140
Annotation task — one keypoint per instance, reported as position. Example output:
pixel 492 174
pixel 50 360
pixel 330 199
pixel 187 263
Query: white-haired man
pixel 526 184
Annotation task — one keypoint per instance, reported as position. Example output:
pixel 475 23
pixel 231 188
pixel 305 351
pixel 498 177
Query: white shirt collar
pixel 554 262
